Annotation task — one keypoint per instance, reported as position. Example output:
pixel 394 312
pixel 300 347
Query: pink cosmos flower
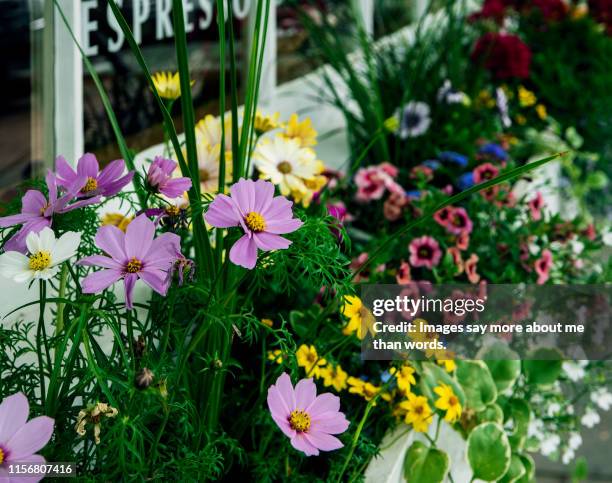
pixel 107 182
pixel 20 439
pixel 470 268
pixel 37 212
pixel 543 265
pixel 424 252
pixel 134 255
pixel 485 172
pixel 535 206
pixel 262 216
pixel 160 178
pixel 373 181
pixel 309 420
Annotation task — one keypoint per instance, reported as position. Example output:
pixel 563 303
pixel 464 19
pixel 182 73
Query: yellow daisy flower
pixel 334 376
pixel 308 358
pixel 448 402
pixel 405 377
pixel 303 131
pixel 276 356
pixel 526 97
pixel 168 85
pixel 360 318
pixel 367 390
pixel 418 412
pixel 313 186
pixel 265 123
pixel 541 111
pixel 446 359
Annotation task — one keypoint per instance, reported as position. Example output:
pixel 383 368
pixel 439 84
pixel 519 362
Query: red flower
pixel 505 55
pixel 493 9
pixel 551 9
pixel 601 10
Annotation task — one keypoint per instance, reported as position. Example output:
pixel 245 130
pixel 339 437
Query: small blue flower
pixel 413 194
pixel 431 163
pixel 454 158
pixel 494 150
pixel 385 376
pixel 465 181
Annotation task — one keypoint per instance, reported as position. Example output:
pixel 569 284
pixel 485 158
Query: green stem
pixel 59 321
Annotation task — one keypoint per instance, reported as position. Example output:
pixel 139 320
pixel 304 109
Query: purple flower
pixel 37 213
pixel 262 216
pixel 20 439
pixel 134 255
pixel 107 182
pixel 309 420
pixel 160 178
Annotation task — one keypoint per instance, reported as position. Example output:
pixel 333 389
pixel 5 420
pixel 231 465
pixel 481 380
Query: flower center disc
pixel 284 167
pixel 91 185
pixel 173 210
pixel 1 456
pixel 255 222
pixel 133 266
pixel 40 261
pixel 452 401
pixel 204 175
pixel 299 421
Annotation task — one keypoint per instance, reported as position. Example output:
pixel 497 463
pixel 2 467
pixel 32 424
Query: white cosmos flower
pixel 45 254
pixel 590 418
pixel 414 120
pixel 603 398
pixel 287 164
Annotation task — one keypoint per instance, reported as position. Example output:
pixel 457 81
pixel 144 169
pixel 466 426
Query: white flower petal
pixel 47 239
pixel 65 247
pixel 13 263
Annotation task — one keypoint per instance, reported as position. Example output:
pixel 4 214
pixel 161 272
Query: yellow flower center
pixel 255 222
pixel 44 208
pixel 40 261
pixel 204 175
pixel 453 401
pixel 173 210
pixel 299 421
pixel 284 167
pixel 1 456
pixel 133 266
pixel 91 185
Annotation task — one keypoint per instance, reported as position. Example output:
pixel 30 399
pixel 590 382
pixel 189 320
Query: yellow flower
pixel 308 358
pixel 405 377
pixel 93 415
pixel 116 219
pixel 424 335
pixel 520 119
pixel 526 97
pixel 360 318
pixel 287 164
pixel 418 412
pixel 391 124
pixel 485 99
pixel 303 131
pixel 541 111
pixel 313 186
pixel 365 389
pixel 264 123
pixel 168 85
pixel 448 402
pixel 267 322
pixel 276 356
pixel 446 358
pixel 334 376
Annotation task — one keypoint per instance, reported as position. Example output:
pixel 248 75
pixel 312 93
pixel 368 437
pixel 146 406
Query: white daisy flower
pixel 287 164
pixel 45 254
pixel 449 95
pixel 414 120
pixel 209 131
pixel 208 164
pixel 590 418
pixel 603 398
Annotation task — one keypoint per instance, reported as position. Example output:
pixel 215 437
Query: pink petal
pixel 222 213
pixel 98 281
pixel 13 414
pixel 13 220
pixel 164 249
pixel 279 208
pixel 243 193
pixel 138 237
pixel 300 443
pixel 129 281
pixel 277 405
pixel 305 393
pixel 65 173
pixel 323 441
pixel 244 252
pixel 35 459
pixel 283 226
pixel 324 403
pixel 156 280
pixel 173 188
pixel 264 191
pixel 51 181
pixel 283 424
pixel 268 241
pixel 30 438
pixel 88 166
pixel 17 242
pixel 111 171
pixel 331 423
pixel 100 261
pixel 285 389
pixel 112 240
pixel 32 202
pixel 112 188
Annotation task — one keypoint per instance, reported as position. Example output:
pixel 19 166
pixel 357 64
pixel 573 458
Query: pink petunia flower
pixel 457 258
pixel 37 212
pixel 309 420
pixel 442 216
pixel 485 172
pixel 160 178
pixel 463 241
pixel 470 268
pixel 107 182
pixel 20 439
pixel 535 206
pixel 133 255
pixel 403 275
pixel 459 222
pixel 262 216
pixel 543 265
pixel 372 182
pixel 424 252
pixel 394 206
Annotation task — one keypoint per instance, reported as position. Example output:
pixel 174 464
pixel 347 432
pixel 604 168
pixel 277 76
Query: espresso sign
pixel 150 21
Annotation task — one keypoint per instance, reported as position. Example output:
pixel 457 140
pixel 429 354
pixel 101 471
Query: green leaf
pixel 597 180
pixel 581 470
pixel 492 413
pixel 423 464
pixel 477 383
pixel 503 362
pixel 543 366
pixel 529 464
pixel 433 375
pixel 488 451
pixel 516 470
pixel 518 411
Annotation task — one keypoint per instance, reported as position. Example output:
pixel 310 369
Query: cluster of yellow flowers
pixel 528 99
